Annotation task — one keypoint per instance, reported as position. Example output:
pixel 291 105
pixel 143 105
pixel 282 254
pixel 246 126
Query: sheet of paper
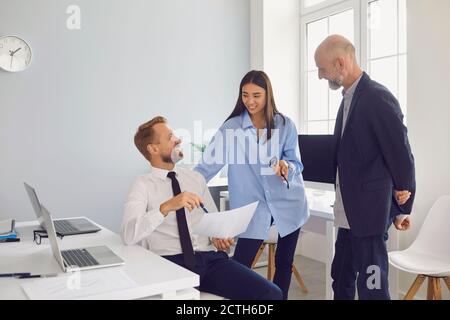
pixel 79 285
pixel 6 226
pixel 226 224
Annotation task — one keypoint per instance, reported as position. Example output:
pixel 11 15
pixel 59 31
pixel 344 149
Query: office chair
pixel 429 255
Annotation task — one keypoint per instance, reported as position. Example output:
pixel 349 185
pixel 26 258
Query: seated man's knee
pixel 273 292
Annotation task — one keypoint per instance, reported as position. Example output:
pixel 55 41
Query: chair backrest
pixel 434 236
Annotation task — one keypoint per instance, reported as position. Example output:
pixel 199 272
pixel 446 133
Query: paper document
pixel 226 224
pixel 6 226
pixel 79 285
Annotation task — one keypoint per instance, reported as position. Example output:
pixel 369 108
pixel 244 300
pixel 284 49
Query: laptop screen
pixel 34 202
pixel 51 232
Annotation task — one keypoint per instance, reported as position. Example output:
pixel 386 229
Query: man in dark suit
pixel 375 175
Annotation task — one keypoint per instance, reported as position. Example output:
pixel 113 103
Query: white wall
pixel 67 123
pixel 428 111
pixel 275 30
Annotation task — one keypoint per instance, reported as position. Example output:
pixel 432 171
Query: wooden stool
pixel 271 265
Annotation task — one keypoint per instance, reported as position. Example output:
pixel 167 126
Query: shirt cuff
pixel 292 170
pixel 402 216
pixel 155 218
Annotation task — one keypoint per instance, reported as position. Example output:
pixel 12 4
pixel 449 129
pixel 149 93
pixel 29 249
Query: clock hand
pixel 12 56
pixel 14 52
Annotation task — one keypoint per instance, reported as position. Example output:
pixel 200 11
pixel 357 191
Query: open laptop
pixel 65 227
pixel 82 258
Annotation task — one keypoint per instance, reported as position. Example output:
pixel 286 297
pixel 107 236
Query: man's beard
pixel 336 84
pixel 167 159
pixel 174 157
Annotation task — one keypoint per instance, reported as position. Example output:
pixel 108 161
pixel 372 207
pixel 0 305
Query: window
pixel 322 103
pixel 378 30
pixel 387 46
pixel 314 5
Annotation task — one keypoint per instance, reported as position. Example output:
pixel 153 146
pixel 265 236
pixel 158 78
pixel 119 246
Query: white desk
pixel 157 278
pixel 321 221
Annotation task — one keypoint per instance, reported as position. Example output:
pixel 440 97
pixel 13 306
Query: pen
pixel 9 240
pixel 14 275
pixel 28 276
pixel 285 180
pixel 203 207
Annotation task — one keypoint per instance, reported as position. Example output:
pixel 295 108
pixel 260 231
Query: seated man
pixel 156 217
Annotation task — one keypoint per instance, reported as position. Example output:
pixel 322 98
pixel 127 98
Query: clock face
pixel 15 54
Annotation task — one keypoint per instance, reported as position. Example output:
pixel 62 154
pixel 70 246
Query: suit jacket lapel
pixel 338 132
pixel 356 95
pixel 338 126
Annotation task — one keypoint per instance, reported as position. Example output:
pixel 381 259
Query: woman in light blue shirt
pixel 260 147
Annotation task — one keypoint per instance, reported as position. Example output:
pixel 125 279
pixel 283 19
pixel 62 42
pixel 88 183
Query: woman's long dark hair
pixel 260 79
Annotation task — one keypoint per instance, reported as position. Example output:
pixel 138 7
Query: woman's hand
pixel 282 169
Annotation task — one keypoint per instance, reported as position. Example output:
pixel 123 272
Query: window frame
pixel 361 39
pixel 398 55
pixel 328 9
pixel 319 6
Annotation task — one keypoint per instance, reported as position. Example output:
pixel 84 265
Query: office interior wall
pixel 67 123
pixel 275 39
pixel 428 113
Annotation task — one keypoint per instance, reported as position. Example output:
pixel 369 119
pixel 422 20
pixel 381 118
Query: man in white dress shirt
pixel 162 207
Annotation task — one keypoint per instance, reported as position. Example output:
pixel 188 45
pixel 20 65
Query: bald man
pixel 375 174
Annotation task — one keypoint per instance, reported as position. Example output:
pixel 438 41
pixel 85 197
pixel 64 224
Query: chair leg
pixel 299 279
pixel 437 289
pixel 415 287
pixel 258 254
pixel 430 289
pixel 271 262
pixel 447 282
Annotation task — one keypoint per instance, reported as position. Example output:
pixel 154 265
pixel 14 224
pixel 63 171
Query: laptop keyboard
pixel 63 226
pixel 79 258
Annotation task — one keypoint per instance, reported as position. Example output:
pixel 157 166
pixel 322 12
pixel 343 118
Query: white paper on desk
pixel 226 224
pixel 79 285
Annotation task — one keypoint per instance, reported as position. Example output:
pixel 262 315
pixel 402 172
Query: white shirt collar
pixel 161 173
pixel 351 90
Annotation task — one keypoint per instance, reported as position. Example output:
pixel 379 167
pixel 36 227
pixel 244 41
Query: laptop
pixel 65 227
pixel 82 258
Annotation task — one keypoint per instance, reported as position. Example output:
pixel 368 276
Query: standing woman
pixel 260 147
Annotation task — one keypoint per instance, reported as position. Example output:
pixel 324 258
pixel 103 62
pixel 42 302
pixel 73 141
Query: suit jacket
pixel 374 159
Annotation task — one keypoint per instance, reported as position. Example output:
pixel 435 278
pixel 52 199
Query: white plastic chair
pixel 210 296
pixel 429 255
pixel 272 243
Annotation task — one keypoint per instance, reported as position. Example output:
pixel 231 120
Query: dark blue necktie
pixel 185 238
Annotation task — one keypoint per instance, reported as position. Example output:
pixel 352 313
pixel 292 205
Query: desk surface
pixel 156 277
pixel 319 201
